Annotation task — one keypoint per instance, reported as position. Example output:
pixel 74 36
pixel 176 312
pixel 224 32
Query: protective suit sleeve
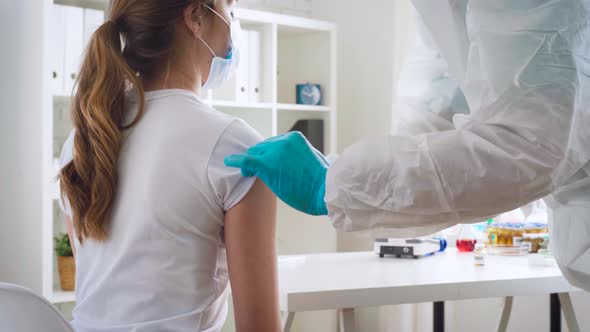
pixel 403 186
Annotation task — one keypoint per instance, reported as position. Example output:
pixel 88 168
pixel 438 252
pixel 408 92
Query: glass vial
pixel 479 255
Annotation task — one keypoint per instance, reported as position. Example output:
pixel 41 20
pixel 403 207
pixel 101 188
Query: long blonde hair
pixel 107 74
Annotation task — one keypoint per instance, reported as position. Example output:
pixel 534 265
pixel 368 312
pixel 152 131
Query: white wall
pixel 20 142
pixel 365 67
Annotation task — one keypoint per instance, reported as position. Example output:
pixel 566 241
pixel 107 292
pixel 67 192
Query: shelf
pixel 234 104
pixel 62 297
pixel 304 108
pixel 214 103
pixel 292 23
pixel 280 107
pixel 90 4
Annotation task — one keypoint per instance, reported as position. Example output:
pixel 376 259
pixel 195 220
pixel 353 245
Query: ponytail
pixel 89 181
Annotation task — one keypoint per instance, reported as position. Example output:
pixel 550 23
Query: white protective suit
pixel 523 67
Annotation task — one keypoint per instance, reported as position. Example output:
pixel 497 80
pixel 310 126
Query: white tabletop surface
pixel 361 279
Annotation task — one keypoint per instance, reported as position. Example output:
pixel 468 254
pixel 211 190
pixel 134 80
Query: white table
pixel 345 281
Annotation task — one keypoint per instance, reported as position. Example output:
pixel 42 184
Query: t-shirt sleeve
pixel 228 183
pixel 66 156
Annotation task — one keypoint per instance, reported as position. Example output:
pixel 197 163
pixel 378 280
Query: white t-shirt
pixel 163 266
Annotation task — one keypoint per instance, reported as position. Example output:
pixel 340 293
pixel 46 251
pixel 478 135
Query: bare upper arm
pixel 250 236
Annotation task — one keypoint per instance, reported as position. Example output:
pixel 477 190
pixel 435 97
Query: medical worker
pixel 495 108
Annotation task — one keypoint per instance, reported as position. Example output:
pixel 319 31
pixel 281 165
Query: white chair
pixel 21 310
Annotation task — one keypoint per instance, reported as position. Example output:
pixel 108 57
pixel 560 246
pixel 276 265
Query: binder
pixel 74 40
pixel 57 49
pixel 93 19
pixel 255 66
pixel 243 71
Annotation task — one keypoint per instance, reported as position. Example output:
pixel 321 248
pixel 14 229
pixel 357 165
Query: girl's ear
pixel 193 19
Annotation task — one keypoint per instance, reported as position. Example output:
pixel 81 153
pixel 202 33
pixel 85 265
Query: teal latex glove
pixel 290 166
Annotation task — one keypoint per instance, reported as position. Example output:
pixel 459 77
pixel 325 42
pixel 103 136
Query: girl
pixel 151 209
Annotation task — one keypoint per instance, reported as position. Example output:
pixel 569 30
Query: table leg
pixel 568 312
pixel 287 320
pixel 554 313
pixel 438 319
pixel 505 315
pixel 346 319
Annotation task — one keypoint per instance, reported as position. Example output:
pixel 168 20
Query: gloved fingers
pixel 279 137
pixel 263 146
pixel 259 149
pixel 285 138
pixel 234 160
pixel 249 165
pixel 275 139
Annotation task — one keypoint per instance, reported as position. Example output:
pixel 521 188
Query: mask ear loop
pixel 208 47
pixel 223 19
pixel 219 15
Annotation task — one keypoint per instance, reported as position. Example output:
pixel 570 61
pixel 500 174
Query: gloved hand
pixel 290 166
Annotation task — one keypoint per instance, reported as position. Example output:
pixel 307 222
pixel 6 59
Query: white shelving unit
pixel 303 108
pixel 293 50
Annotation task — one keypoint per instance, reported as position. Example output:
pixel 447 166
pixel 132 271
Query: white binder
pixel 56 49
pixel 93 19
pixel 254 64
pixel 74 41
pixel 242 72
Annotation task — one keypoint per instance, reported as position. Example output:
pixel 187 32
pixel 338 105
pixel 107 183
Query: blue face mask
pixel 222 69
